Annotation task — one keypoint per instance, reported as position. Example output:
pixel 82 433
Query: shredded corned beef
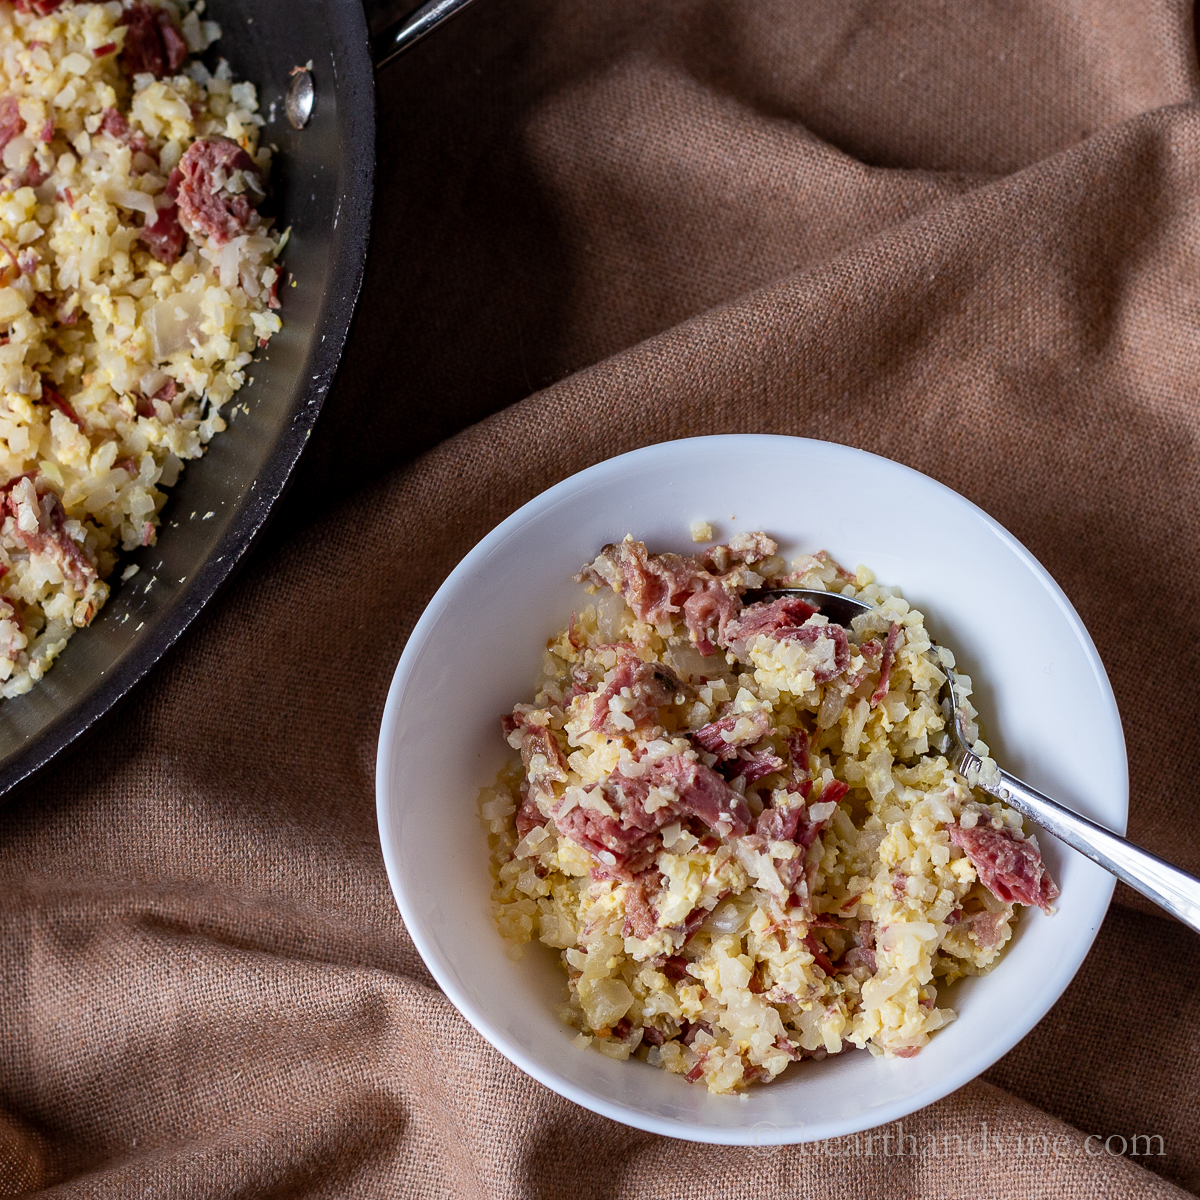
pixel 11 124
pixel 651 686
pixel 1010 868
pixel 885 668
pixel 114 124
pixel 704 794
pixel 640 918
pixel 752 765
pixel 711 737
pixel 165 235
pixel 52 397
pixel 656 586
pixel 152 43
pixel 708 611
pixel 631 849
pixel 50 538
pixel 780 824
pixel 985 926
pixel 529 816
pixel 862 953
pixel 632 837
pixel 540 754
pixel 144 405
pixel 206 207
pixel 818 952
pixel 768 618
pixel 674 967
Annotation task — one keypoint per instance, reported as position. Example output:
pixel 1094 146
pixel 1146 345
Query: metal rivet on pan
pixel 300 96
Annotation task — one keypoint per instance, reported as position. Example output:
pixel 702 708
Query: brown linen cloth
pixel 966 236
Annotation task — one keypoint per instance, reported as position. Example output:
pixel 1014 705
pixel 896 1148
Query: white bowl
pixel 1047 709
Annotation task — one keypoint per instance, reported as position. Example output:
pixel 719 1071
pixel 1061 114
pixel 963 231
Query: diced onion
pixel 12 304
pixel 17 152
pixel 152 381
pixel 131 198
pixel 172 323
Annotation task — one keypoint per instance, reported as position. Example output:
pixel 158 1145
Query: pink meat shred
pixel 152 43
pixel 1010 868
pixel 706 591
pixel 540 754
pixel 114 124
pixel 528 816
pixel 632 838
pixel 651 686
pixel 704 794
pixel 51 538
pixel 55 400
pixel 885 667
pixel 711 738
pixel 206 209
pixel 768 617
pixel 640 918
pixel 11 123
pixel 986 927
pixel 164 235
pixel 753 765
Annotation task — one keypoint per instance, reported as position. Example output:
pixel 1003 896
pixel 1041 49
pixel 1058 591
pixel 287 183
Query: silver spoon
pixel 1168 886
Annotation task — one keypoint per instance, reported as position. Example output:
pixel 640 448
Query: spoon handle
pixel 1168 886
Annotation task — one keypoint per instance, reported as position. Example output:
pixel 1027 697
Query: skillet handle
pixel 397 37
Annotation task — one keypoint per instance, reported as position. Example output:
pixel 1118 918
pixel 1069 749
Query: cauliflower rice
pixel 118 346
pixel 737 824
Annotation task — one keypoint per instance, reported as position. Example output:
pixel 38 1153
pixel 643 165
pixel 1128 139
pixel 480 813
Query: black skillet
pixel 321 185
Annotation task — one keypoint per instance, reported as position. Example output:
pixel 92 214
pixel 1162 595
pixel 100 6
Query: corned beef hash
pixel 735 822
pixel 137 278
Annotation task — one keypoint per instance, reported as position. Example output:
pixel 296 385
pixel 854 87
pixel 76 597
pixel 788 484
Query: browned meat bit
pixel 675 968
pixel 209 204
pixel 152 43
